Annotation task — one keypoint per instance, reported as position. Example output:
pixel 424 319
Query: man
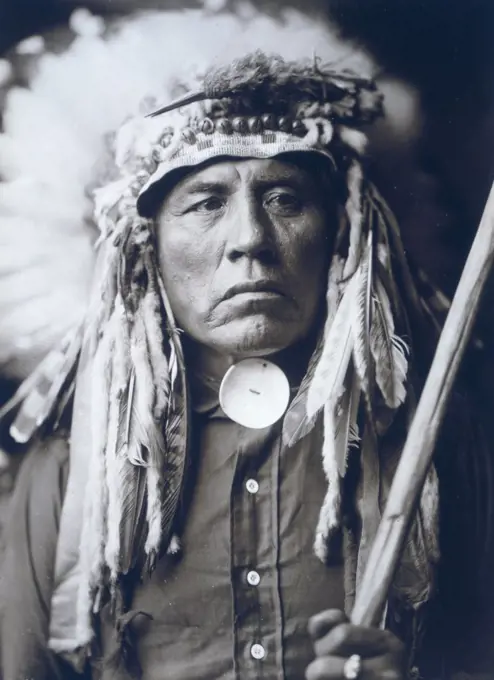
pixel 245 376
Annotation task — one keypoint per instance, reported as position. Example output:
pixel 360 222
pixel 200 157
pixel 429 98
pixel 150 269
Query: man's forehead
pixel 233 171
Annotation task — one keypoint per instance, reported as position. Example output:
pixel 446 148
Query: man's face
pixel 244 247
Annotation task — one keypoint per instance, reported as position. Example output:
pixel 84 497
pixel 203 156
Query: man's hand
pixel 335 641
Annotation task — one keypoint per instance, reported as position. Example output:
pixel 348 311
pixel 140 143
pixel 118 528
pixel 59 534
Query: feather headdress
pixel 123 343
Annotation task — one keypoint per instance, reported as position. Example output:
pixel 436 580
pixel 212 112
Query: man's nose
pixel 251 234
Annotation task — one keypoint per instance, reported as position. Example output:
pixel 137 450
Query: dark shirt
pixel 237 602
pixel 247 576
pixel 236 605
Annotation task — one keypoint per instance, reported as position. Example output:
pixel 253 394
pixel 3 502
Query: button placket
pixel 251 513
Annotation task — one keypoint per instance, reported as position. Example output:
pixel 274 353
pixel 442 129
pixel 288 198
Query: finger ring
pixel 352 667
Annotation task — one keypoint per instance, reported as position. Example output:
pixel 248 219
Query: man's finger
pixel 325 669
pixel 332 668
pixel 345 639
pixel 322 623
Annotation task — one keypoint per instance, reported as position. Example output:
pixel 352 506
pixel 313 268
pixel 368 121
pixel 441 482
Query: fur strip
pixel 429 513
pixel 388 351
pixel 154 479
pixel 329 375
pixel 39 394
pixel 329 517
pixel 340 432
pixel 333 294
pixel 347 432
pixel 119 486
pixel 93 535
pixel 355 217
pixel 155 321
pixel 144 433
pixel 360 319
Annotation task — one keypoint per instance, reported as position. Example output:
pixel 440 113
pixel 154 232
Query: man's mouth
pixel 262 288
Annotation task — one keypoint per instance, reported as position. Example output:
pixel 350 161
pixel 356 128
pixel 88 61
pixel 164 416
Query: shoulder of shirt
pixel 45 458
pixel 54 447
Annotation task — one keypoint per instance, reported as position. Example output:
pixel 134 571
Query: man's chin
pixel 254 337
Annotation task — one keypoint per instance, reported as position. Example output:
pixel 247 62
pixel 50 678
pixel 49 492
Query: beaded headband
pixel 200 145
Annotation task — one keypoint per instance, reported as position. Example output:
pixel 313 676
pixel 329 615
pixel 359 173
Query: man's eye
pixel 284 203
pixel 210 204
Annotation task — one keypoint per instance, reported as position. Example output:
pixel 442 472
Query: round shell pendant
pixel 254 393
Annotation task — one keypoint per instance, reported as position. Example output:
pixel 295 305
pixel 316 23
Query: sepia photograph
pixel 246 340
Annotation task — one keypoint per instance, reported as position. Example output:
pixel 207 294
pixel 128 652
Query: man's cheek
pixel 178 264
pixel 309 264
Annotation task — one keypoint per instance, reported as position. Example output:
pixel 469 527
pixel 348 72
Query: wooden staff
pixel 419 447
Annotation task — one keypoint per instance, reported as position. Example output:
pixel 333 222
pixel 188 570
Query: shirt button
pixel 257 651
pixel 252 486
pixel 253 578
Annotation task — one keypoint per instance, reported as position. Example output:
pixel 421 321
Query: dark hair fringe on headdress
pixel 267 82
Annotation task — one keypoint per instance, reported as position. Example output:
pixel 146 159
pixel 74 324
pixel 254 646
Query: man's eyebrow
pixel 198 186
pixel 288 181
pixel 204 187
